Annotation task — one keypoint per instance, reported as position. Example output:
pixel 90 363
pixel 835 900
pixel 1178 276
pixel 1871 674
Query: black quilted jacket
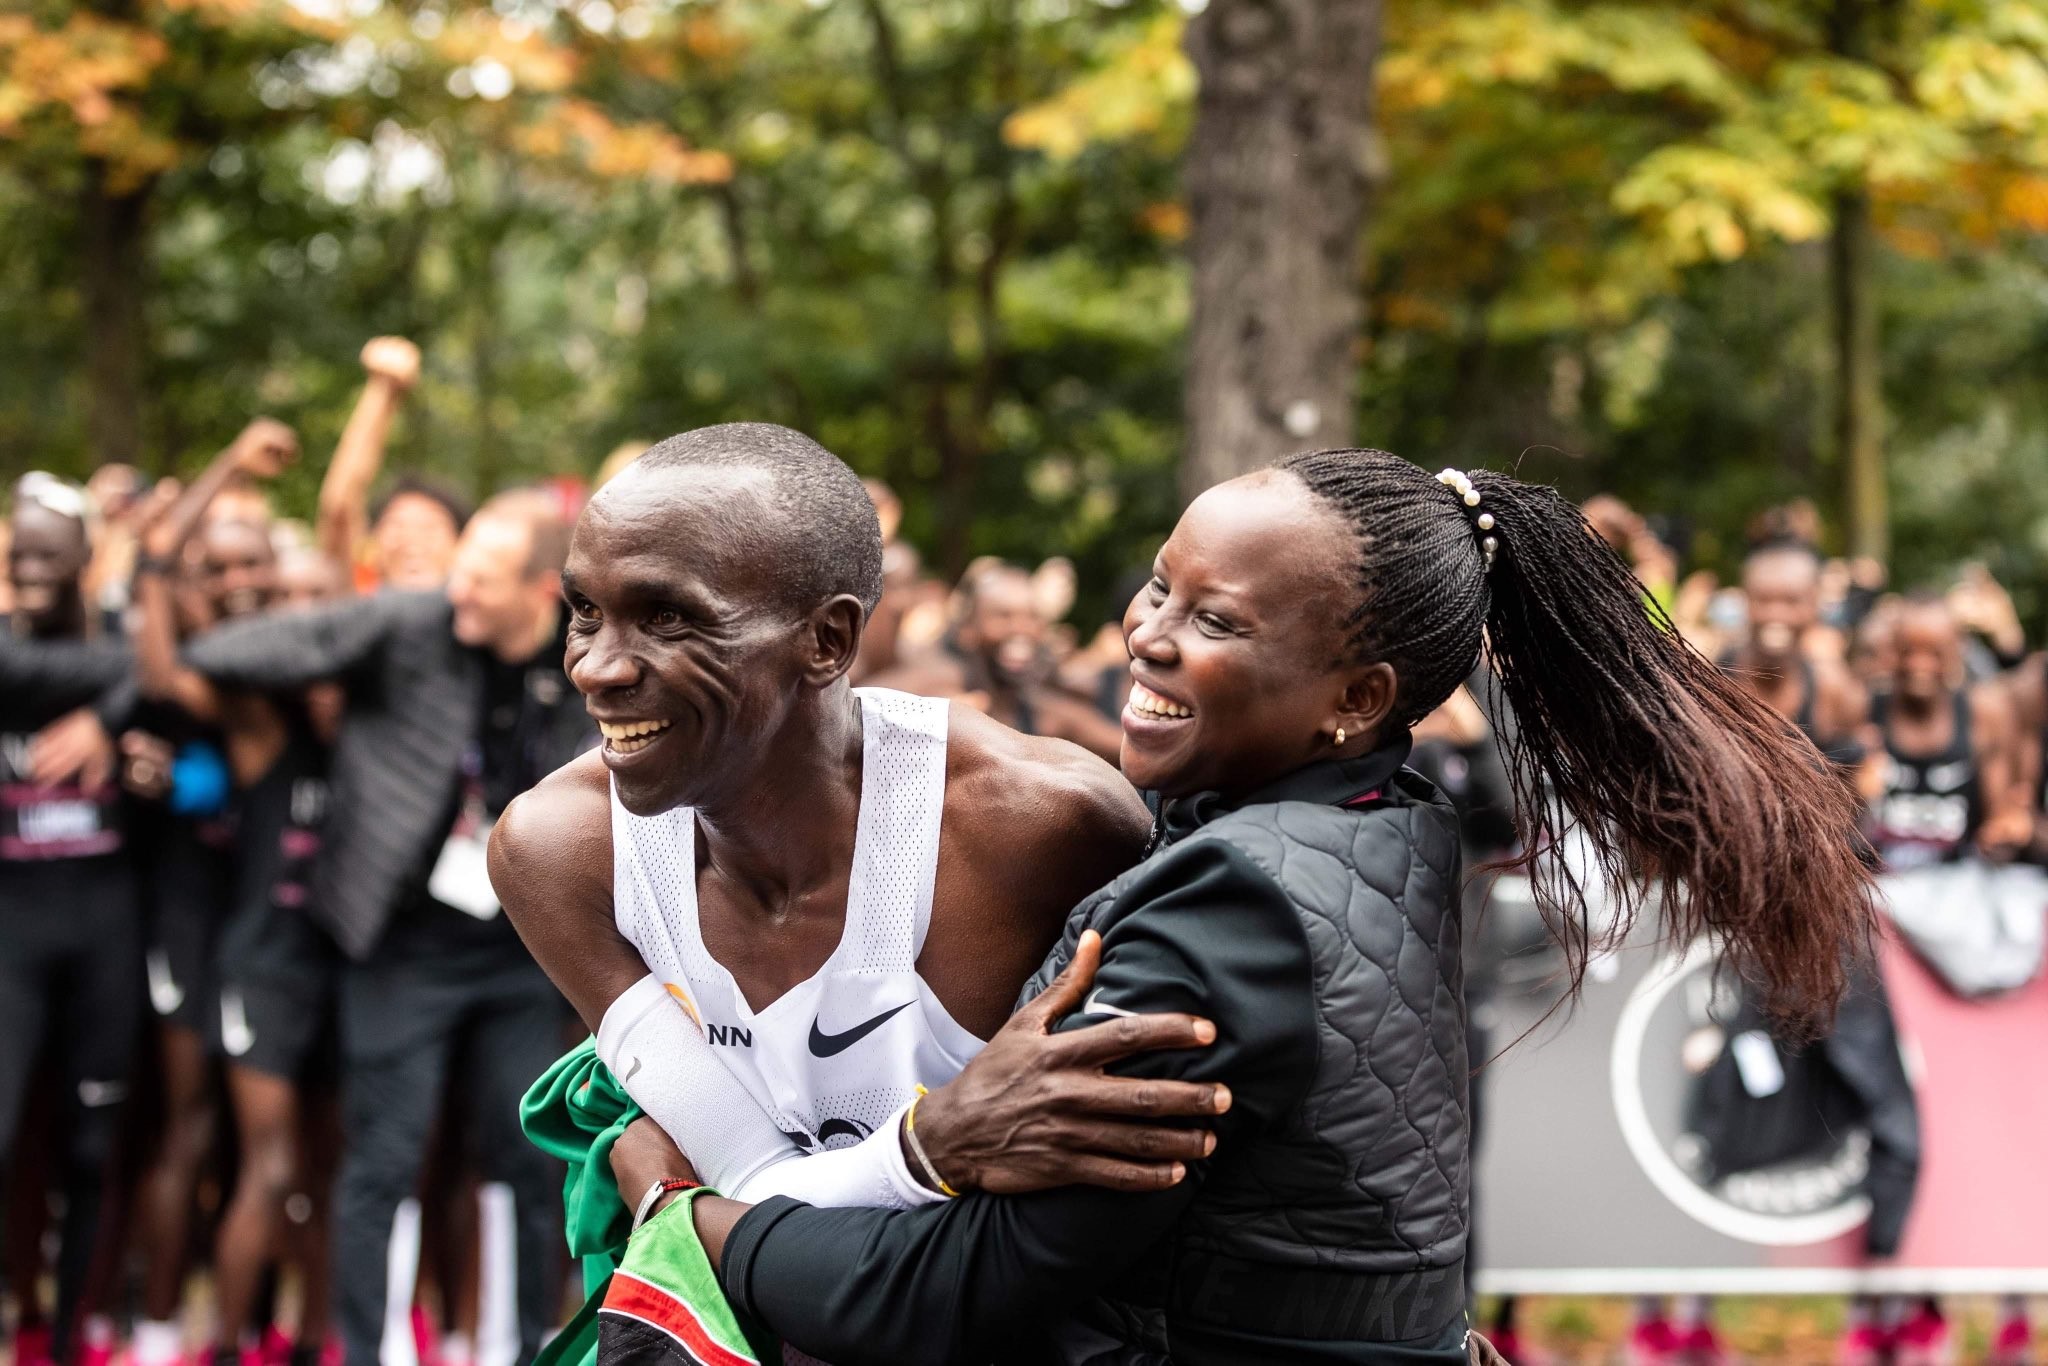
pixel 1315 923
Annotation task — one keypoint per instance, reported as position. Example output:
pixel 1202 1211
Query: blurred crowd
pixel 215 1058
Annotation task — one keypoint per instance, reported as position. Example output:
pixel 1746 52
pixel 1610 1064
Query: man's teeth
pixel 630 736
pixel 1145 702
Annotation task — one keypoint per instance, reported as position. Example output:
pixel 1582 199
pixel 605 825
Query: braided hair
pixel 1674 775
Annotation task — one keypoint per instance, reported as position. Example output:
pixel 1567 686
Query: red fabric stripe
pixel 635 1298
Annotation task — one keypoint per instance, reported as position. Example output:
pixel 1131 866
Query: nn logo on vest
pixel 730 1036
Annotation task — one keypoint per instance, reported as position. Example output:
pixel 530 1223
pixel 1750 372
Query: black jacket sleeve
pixel 47 676
pixel 292 649
pixel 1203 929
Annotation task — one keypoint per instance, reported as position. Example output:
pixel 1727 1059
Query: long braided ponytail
pixel 1675 776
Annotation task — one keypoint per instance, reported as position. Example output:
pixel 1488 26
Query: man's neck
pixel 792 827
pixel 1922 708
pixel 70 624
pixel 520 649
pixel 1764 668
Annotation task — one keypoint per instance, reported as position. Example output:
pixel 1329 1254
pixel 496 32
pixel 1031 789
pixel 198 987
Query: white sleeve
pixel 654 1048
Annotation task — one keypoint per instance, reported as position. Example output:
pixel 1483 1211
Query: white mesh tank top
pixel 843 1051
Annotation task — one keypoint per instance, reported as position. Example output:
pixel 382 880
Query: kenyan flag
pixel 663 1306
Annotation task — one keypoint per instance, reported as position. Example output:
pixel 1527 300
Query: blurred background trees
pixel 1706 253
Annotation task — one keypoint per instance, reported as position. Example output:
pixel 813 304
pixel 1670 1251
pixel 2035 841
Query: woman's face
pixel 1237 644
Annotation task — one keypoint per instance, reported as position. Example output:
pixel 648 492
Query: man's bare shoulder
pixel 551 862
pixel 558 831
pixel 1036 796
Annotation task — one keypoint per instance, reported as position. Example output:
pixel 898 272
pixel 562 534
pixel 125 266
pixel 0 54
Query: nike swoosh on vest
pixel 829 1045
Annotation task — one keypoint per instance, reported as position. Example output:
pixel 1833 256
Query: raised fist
pixel 392 358
pixel 264 448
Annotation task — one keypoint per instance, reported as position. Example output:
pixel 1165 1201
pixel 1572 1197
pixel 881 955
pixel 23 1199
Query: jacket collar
pixel 1324 782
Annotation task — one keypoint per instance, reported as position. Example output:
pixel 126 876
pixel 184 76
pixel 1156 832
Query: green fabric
pixel 576 1112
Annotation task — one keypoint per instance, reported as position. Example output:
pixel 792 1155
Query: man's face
pixel 682 644
pixel 46 555
pixel 1783 588
pixel 497 603
pixel 237 569
pixel 1927 652
pixel 307 578
pixel 1004 630
pixel 415 542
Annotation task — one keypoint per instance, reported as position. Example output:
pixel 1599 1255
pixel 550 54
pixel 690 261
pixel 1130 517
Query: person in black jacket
pixel 70 919
pixel 1302 894
pixel 456 703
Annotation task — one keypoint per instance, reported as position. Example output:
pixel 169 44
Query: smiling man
pixel 843 889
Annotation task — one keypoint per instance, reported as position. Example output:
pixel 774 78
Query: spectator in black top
pixel 1302 894
pixel 70 920
pixel 456 702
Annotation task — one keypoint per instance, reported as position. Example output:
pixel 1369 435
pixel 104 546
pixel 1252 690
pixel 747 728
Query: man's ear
pixel 1367 702
pixel 831 639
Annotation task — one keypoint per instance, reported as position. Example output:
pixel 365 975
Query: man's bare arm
pixel 393 365
pixel 2008 810
pixel 551 863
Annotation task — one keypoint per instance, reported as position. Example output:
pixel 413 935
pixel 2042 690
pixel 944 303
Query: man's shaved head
pixel 818 529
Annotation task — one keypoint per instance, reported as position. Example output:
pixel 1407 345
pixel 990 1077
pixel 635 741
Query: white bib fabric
pixel 843 1051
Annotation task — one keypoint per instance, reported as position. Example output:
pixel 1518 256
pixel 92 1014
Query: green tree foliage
pixel 946 236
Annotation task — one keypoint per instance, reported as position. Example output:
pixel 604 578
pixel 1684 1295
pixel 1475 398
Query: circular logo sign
pixel 1753 1139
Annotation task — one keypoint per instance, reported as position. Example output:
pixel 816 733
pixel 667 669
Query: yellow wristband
pixel 917 1147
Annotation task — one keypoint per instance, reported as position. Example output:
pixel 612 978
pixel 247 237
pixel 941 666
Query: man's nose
pixel 604 665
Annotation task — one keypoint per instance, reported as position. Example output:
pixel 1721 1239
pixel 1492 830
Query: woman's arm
pixel 1211 935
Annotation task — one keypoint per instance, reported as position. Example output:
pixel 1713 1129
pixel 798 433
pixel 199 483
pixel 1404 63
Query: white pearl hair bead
pixel 1471 498
pixel 1486 521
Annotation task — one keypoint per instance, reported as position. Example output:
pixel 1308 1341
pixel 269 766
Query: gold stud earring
pixel 1340 736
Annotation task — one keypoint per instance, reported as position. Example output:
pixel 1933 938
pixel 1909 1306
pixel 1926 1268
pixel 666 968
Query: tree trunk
pixel 1858 401
pixel 1276 176
pixel 113 256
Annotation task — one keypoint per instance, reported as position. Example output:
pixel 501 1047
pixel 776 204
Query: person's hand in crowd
pixel 264 448
pixel 325 705
pixel 146 765
pixel 2004 834
pixel 643 1155
pixel 393 359
pixel 74 748
pixel 1035 1109
pixel 1690 604
pixel 1981 604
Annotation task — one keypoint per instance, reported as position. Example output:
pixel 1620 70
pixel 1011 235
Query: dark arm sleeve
pixel 57 675
pixel 292 649
pixel 1203 930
